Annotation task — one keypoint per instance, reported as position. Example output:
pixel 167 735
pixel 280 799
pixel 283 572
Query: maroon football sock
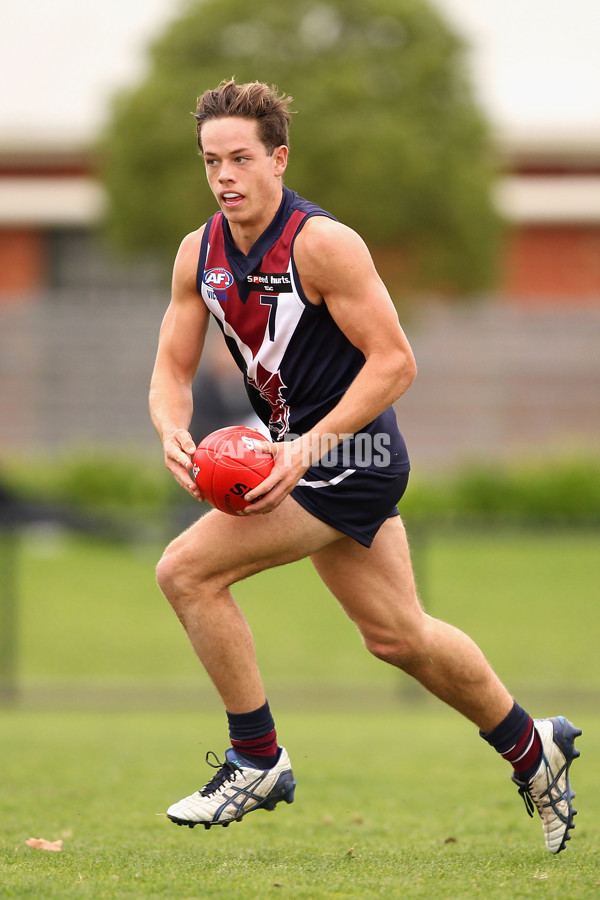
pixel 517 740
pixel 253 735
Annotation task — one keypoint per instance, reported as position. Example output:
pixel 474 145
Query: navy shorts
pixel 355 501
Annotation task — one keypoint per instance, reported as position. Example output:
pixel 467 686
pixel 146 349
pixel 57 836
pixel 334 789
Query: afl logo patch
pixel 218 278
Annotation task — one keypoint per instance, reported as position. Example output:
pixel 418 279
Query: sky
pixel 535 63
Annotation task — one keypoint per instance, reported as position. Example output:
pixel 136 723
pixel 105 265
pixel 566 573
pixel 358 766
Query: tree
pixel 387 136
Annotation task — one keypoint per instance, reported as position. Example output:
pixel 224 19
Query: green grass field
pixel 93 613
pixel 397 796
pixel 403 803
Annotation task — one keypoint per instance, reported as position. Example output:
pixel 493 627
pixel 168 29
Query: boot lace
pixel 527 800
pixel 227 772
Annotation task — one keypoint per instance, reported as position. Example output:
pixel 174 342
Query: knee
pixel 165 570
pixel 402 651
pixel 187 572
pixel 174 574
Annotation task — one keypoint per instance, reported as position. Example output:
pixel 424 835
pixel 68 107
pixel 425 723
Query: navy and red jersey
pixel 296 361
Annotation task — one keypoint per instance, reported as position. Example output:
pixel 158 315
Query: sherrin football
pixel 228 463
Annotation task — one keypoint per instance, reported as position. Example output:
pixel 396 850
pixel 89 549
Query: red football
pixel 228 463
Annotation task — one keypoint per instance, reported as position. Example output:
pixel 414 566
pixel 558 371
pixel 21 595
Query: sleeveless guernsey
pixel 295 360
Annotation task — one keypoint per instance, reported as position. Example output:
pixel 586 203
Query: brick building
pixel 549 194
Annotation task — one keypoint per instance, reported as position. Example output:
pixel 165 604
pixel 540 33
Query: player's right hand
pixel 179 448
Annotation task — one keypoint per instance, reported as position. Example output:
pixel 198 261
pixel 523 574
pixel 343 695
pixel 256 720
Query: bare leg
pixel 199 566
pixel 376 588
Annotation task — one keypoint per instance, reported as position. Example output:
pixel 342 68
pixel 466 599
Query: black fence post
pixel 8 615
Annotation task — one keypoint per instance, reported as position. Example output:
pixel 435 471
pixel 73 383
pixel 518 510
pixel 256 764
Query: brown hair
pixel 254 100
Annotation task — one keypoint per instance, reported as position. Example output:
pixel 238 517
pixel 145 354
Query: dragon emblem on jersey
pixel 271 387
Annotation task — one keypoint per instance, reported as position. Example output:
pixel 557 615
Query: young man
pixel 317 338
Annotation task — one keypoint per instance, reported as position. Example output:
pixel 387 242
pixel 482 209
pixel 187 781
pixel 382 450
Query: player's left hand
pixel 289 466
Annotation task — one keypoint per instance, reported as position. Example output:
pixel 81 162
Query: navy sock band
pixel 251 725
pixel 253 735
pixel 517 740
pixel 507 733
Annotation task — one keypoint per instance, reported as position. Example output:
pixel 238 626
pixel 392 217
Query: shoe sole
pixel 284 792
pixel 564 737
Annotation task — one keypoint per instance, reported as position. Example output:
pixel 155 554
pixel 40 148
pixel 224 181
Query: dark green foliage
pixel 387 135
pixel 118 496
pixel 559 491
pixel 563 491
pixel 95 481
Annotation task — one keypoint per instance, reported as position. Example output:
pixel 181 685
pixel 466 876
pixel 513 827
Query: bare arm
pixel 341 272
pixel 336 268
pixel 180 346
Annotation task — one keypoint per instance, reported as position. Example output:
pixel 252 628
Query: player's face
pixel 244 178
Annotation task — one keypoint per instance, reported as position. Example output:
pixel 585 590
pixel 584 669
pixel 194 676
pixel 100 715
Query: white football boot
pixel 236 789
pixel 549 790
